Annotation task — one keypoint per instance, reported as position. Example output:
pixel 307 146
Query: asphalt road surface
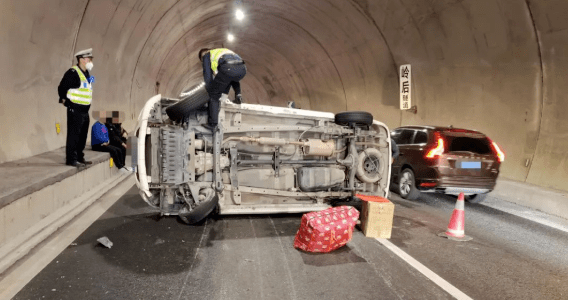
pixel 252 257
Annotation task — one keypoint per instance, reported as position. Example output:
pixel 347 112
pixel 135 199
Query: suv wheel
pixel 476 198
pixel 407 185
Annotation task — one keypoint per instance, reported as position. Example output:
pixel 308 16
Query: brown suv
pixel 445 160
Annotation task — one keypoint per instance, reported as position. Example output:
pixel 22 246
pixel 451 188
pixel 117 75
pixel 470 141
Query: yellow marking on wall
pixel 57 128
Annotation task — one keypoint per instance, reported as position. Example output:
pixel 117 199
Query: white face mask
pixel 89 66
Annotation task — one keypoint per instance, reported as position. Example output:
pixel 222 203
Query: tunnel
pixel 494 66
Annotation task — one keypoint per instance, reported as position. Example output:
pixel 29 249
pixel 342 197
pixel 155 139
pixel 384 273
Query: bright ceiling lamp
pixel 230 37
pixel 240 14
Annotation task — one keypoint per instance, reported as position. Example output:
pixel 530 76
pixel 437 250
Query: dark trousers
pixel 227 74
pixel 77 129
pixel 118 154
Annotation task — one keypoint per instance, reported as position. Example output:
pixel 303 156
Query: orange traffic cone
pixel 457 223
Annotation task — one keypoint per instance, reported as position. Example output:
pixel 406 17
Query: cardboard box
pixel 376 216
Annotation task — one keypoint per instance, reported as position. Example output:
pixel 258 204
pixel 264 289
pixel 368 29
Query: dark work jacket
pixel 208 75
pixel 114 134
pixel 394 149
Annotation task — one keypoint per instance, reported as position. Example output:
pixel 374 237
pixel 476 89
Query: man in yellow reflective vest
pixel 76 93
pixel 222 68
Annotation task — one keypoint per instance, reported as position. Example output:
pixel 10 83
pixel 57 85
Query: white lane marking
pixel 257 252
pixel 527 213
pixel 290 277
pixel 446 286
pixel 194 258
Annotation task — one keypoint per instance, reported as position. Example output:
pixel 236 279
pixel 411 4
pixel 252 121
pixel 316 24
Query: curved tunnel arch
pixel 496 66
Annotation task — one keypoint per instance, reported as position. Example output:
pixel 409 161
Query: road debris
pixel 105 241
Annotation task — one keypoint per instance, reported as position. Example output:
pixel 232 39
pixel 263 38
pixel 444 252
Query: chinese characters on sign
pixel 405 91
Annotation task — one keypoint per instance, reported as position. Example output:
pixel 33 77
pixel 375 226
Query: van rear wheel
pixel 354 118
pixel 407 185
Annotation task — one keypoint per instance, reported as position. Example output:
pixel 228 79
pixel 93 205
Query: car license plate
pixel 470 165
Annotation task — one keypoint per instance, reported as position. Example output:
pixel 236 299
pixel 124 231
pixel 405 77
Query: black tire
pixel 475 198
pixel 197 97
pixel 354 117
pixel 407 185
pixel 200 212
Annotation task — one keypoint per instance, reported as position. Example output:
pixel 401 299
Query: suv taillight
pixel 497 151
pixel 438 149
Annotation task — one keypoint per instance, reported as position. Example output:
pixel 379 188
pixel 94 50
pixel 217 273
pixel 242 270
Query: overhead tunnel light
pixel 230 37
pixel 240 14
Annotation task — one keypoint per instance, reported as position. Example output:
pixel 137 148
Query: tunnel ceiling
pixel 492 65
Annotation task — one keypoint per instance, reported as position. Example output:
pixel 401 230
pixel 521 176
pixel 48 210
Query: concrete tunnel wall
pixel 493 65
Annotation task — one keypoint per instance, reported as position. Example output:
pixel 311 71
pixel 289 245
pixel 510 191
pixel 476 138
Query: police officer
pixel 76 93
pixel 228 69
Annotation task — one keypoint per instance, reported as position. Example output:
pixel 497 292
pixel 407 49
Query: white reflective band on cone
pixel 458 233
pixel 460 205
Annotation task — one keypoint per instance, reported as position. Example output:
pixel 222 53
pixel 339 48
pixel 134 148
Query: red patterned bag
pixel 326 230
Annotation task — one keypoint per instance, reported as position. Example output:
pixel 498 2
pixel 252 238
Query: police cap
pixel 84 53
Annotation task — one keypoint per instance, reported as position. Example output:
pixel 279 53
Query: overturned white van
pixel 261 159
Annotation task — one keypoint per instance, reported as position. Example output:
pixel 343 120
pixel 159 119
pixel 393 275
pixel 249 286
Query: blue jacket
pixel 99 134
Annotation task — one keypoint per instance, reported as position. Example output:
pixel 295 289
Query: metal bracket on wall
pixel 413 109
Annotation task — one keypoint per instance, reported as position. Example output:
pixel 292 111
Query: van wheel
pixel 202 210
pixel 354 117
pixel 370 167
pixel 194 100
pixel 476 198
pixel 407 185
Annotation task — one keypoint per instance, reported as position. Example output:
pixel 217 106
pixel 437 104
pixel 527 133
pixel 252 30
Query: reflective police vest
pixel 84 94
pixel 216 55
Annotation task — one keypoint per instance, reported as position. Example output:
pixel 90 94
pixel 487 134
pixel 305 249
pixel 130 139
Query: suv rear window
pixel 403 136
pixel 421 137
pixel 469 144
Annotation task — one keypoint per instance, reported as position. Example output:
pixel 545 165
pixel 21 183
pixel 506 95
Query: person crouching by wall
pixel 100 142
pixel 116 134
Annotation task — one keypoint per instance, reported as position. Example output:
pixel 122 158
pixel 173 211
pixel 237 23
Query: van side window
pixel 406 137
pixel 421 137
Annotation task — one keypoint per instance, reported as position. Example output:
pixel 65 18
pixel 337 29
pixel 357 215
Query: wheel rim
pixel 405 183
pixel 371 166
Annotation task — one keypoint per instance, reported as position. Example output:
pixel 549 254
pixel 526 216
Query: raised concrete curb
pixel 27 221
pixel 25 269
pixel 553 202
pixel 21 178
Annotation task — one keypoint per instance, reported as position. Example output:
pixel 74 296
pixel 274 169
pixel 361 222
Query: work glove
pixel 238 99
